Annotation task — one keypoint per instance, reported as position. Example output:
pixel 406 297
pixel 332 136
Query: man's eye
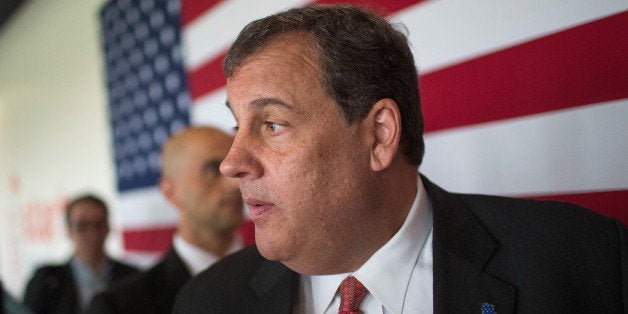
pixel 274 127
pixel 212 167
pixel 234 129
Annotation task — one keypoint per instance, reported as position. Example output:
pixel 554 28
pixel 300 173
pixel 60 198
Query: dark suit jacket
pixel 521 256
pixel 52 288
pixel 151 292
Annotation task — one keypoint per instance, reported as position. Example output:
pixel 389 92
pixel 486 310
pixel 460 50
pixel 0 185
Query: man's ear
pixel 385 122
pixel 167 188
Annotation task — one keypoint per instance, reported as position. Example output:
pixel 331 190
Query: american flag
pixel 520 98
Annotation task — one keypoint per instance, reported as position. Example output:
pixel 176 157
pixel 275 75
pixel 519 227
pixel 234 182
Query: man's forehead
pixel 262 102
pixel 87 207
pixel 87 203
pixel 270 85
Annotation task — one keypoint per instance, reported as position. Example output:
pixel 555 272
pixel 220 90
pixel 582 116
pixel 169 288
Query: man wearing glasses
pixel 68 288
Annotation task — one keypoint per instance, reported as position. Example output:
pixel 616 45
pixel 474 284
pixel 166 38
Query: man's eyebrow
pixel 266 101
pixel 212 162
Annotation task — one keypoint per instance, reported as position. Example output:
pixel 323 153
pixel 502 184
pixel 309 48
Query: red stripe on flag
pixel 579 66
pixel 247 232
pixel 192 9
pixel 207 78
pixel 159 239
pixel 610 203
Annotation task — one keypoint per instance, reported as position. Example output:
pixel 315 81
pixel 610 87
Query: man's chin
pixel 268 248
pixel 273 251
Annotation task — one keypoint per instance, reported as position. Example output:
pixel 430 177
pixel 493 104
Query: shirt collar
pixel 81 269
pixel 197 259
pixel 386 274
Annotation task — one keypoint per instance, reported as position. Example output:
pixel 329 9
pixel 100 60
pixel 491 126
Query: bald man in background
pixel 210 211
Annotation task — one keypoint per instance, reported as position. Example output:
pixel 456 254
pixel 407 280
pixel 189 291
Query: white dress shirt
pixel 197 259
pixel 398 276
pixel 89 282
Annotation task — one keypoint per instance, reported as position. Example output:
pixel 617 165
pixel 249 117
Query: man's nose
pixel 241 162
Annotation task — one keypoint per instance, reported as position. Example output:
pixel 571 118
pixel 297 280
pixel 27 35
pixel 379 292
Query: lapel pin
pixel 488 308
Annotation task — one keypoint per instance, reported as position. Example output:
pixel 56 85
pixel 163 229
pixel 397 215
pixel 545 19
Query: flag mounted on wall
pixel 520 98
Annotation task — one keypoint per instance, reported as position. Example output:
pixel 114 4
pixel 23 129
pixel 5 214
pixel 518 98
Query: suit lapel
pixel 69 298
pixel 273 285
pixel 462 251
pixel 175 275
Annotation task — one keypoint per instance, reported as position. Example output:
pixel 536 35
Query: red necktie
pixel 352 292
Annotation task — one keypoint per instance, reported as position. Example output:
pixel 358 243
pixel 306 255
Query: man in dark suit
pixel 151 292
pixel 69 287
pixel 329 138
pixel 210 211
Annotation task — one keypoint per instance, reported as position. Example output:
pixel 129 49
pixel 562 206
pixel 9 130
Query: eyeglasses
pixel 83 226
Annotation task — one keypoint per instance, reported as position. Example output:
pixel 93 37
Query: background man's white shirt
pixel 196 259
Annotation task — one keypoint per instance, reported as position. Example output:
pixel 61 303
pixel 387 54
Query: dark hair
pixel 363 59
pixel 84 198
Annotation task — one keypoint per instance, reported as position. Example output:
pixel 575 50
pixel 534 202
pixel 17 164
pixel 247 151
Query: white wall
pixel 54 135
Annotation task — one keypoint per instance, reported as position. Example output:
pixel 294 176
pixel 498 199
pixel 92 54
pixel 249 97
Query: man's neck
pixel 217 244
pixel 95 262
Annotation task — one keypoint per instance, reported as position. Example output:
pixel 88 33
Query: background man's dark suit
pixel 52 288
pixel 521 256
pixel 151 292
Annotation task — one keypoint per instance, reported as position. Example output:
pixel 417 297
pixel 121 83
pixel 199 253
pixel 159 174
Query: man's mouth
pixel 258 208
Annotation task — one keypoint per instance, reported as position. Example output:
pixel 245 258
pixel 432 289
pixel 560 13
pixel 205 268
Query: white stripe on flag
pixel 144 207
pixel 211 110
pixel 446 32
pixel 579 149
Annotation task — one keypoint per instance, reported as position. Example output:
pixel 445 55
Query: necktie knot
pixel 352 292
